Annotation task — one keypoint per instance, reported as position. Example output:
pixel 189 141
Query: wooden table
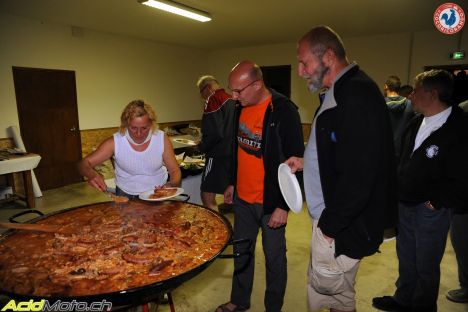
pixel 22 164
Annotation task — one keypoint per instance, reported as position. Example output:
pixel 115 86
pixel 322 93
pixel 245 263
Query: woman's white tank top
pixel 137 172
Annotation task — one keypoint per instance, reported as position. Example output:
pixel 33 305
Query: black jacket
pixel 401 112
pixel 218 126
pixel 281 138
pixel 436 171
pixel 357 166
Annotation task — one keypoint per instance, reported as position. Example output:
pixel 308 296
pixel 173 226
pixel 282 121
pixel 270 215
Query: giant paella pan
pixel 124 253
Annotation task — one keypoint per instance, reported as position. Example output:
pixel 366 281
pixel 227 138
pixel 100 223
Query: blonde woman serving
pixel 143 155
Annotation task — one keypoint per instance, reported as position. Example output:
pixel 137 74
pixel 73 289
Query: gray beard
pixel 316 80
pixel 313 87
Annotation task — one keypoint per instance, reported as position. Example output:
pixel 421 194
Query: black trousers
pixel 459 236
pixel 248 219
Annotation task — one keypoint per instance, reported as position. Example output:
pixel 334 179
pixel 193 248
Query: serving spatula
pixel 36 227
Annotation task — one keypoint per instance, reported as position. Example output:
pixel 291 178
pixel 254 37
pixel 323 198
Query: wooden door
pixel 48 118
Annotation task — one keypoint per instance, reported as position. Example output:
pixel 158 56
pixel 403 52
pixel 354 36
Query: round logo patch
pixel 449 18
pixel 432 151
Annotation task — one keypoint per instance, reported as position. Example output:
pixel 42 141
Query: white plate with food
pixel 290 188
pixel 159 194
pixel 192 166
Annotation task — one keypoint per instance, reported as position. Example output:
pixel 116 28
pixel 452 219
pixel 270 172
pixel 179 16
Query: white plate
pixel 185 141
pixel 194 159
pixel 290 188
pixel 180 157
pixel 146 195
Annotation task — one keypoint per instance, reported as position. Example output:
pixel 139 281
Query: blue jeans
pixel 248 218
pixel 119 192
pixel 420 243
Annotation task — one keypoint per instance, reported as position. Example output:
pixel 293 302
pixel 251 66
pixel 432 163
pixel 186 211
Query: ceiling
pixel 235 23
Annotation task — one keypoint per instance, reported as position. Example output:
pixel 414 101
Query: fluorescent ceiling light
pixel 179 9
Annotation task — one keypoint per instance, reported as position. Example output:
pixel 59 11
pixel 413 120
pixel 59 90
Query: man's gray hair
pixel 439 80
pixel 321 38
pixel 203 81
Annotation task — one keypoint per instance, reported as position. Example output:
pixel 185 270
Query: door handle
pixel 73 129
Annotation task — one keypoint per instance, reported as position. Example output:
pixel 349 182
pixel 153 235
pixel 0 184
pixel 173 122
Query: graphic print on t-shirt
pixel 250 170
pixel 250 140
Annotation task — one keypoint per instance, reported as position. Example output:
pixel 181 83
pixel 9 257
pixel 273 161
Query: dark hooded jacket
pixel 281 138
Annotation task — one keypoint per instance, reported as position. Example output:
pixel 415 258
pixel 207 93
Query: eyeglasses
pixel 239 91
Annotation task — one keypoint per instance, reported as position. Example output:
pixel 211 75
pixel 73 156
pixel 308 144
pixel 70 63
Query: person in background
pixel 216 142
pixel 432 184
pixel 460 92
pixel 391 88
pixel 459 237
pixel 348 169
pixel 400 110
pixel 268 131
pixel 141 155
pixel 405 90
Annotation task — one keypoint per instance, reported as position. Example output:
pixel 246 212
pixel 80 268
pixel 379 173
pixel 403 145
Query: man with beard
pixel 348 169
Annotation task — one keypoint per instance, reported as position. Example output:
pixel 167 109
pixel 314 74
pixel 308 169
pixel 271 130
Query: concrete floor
pixel 210 288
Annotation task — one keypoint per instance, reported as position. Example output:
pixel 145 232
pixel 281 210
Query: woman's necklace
pixel 129 138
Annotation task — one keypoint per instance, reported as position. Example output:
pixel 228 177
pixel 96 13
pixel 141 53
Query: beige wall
pixel 381 56
pixel 111 70
pixel 433 48
pixel 222 61
pixel 403 55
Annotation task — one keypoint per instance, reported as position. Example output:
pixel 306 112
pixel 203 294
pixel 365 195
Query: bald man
pixel 268 132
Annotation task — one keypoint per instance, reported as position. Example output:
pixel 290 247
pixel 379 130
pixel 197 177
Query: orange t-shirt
pixel 250 170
